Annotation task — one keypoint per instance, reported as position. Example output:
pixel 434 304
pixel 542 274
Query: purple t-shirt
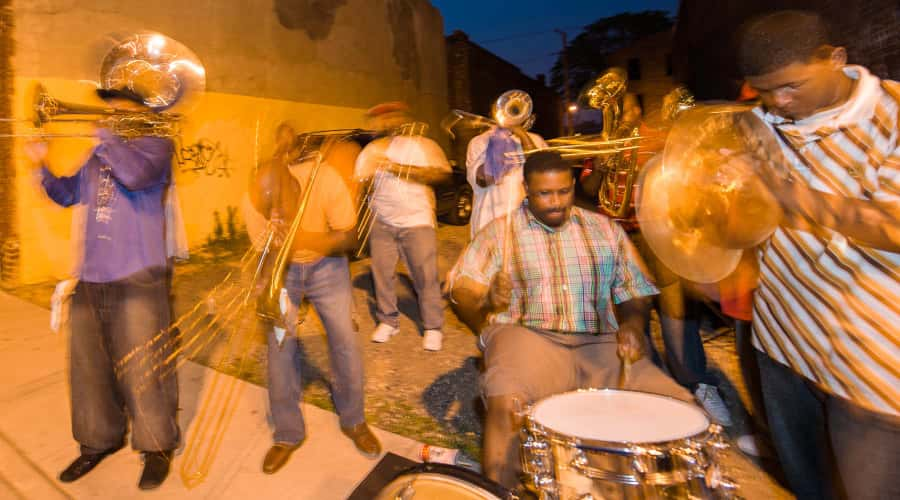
pixel 123 185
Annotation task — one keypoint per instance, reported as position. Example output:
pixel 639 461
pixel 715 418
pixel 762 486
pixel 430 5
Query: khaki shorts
pixel 533 364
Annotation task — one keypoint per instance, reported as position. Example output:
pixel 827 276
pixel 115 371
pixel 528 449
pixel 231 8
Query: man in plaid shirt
pixel 559 296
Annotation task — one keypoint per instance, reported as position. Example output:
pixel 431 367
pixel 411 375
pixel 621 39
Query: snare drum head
pixel 619 416
pixel 442 482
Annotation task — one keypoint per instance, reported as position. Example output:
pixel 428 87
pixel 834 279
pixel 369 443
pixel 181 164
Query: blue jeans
pixel 326 285
pixel 109 321
pixel 685 357
pixel 419 248
pixel 828 447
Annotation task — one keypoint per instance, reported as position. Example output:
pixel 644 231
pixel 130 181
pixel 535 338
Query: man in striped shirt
pixel 557 298
pixel 827 311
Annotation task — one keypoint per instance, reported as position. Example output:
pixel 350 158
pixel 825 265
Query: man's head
pixel 550 187
pixel 285 135
pixel 123 99
pixel 388 116
pixel 787 58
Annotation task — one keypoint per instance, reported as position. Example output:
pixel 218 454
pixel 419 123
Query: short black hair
pixel 544 161
pixel 120 93
pixel 772 41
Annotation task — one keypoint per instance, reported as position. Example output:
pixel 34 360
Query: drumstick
pixel 624 373
pixel 507 237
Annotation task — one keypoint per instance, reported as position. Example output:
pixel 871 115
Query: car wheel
pixel 461 210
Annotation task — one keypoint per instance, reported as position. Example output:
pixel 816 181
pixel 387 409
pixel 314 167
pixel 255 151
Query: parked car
pixel 453 198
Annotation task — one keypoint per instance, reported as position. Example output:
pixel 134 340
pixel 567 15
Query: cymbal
pixel 687 252
pixel 701 202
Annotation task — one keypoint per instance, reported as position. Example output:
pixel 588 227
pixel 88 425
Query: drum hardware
pixel 443 482
pixel 562 464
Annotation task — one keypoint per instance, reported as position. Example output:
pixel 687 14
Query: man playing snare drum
pixel 559 297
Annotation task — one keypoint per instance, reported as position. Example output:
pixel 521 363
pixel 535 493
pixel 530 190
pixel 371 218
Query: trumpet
pixel 511 110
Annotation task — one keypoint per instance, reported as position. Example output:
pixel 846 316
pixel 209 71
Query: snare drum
pixel 442 482
pixel 615 444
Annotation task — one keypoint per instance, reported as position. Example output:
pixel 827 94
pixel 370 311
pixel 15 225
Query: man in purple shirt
pixel 120 304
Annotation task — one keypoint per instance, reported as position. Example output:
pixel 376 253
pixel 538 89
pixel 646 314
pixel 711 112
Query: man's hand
pixel 36 152
pixel 104 134
pixel 279 229
pixel 631 345
pixel 500 292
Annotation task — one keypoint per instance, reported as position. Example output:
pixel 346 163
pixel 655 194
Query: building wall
pixel 315 63
pixel 704 48
pixel 476 77
pixel 652 57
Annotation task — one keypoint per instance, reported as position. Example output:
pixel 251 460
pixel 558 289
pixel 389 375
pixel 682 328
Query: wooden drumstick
pixel 624 372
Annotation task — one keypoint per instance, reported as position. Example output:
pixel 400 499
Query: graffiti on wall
pixel 206 157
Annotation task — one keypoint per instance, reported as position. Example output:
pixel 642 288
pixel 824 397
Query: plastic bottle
pixel 439 455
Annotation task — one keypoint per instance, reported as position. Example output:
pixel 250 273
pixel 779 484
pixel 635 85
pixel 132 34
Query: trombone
pixel 47 109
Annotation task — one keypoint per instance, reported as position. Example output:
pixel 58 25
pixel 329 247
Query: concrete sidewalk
pixel 36 441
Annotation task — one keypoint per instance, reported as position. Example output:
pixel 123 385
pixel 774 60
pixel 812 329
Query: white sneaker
pixel 708 396
pixel 751 445
pixel 383 332
pixel 433 340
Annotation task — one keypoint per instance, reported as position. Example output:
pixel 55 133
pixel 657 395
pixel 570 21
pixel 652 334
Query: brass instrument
pixel 371 161
pixel 150 67
pixel 271 266
pixel 701 203
pixel 514 108
pixel 48 109
pixel 614 149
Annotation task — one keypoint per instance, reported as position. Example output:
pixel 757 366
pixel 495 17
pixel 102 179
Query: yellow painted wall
pixel 317 64
pixel 227 122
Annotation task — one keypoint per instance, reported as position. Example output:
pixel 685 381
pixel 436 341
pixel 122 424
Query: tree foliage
pixel 587 52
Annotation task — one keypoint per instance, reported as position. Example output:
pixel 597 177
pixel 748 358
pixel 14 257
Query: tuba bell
pixel 606 93
pixel 150 67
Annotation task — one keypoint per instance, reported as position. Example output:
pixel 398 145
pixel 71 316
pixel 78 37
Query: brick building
pixel 648 62
pixel 703 52
pixel 476 77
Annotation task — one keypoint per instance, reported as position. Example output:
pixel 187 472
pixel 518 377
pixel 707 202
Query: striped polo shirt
pixel 826 306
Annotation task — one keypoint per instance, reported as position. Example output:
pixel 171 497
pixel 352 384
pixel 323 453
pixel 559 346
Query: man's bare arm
pixel 632 318
pixel 420 175
pixel 473 302
pixel 329 243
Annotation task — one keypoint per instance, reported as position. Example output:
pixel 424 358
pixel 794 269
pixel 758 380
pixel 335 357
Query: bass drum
pixel 442 482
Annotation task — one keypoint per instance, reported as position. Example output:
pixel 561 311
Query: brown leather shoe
pixel 365 441
pixel 277 456
pixel 156 469
pixel 85 463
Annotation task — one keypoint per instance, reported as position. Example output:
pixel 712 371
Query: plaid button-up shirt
pixel 564 279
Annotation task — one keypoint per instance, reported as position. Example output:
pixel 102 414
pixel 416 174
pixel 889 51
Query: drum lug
pixel 536 446
pixel 537 463
pixel 724 486
pixel 407 492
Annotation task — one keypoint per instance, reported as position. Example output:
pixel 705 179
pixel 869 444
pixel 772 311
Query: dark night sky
pixel 522 31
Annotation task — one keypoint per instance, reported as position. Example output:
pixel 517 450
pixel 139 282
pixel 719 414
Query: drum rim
pixel 618 447
pixel 457 472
